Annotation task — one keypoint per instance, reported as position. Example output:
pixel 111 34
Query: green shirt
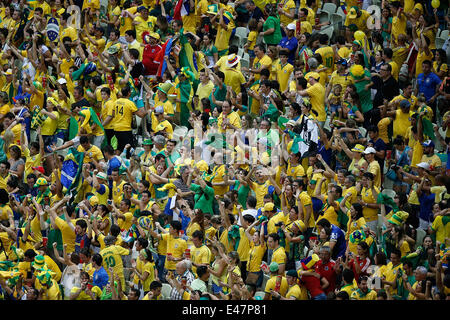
pixel 275 37
pixel 203 198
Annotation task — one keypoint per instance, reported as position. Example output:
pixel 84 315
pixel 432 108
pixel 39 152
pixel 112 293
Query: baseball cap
pixel 300 225
pixel 405 104
pixel 102 175
pixel 428 143
pixel 423 165
pixel 273 267
pixel 314 75
pixel 147 142
pixel 292 273
pixel 353 12
pixel 369 150
pixel 39 168
pixel 291 26
pixel 268 207
pixel 93 201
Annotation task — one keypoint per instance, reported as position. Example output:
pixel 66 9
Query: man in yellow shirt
pixel 233 77
pixel 143 22
pixel 431 158
pixel 228 119
pixel 66 30
pixel 176 246
pixel 91 153
pixel 277 282
pixel 327 54
pixel 112 257
pixel 200 254
pixel 369 195
pixel 124 110
pixel 363 292
pixel 316 94
pixel 261 61
pixel 356 19
pixel 374 166
pixel 407 94
pixel 284 70
pixel 278 253
pixel 225 25
pixel 402 117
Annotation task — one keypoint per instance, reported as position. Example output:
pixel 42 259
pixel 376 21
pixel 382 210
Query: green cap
pixel 273 267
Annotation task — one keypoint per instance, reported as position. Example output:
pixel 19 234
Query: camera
pixel 278 224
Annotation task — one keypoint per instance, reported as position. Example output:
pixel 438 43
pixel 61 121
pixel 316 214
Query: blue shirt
pixel 291 45
pixel 427 84
pixel 339 236
pixel 100 278
pixel 426 206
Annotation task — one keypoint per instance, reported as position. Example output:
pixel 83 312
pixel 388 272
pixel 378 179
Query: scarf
pixel 234 234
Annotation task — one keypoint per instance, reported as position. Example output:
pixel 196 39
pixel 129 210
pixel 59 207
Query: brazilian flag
pixel 71 178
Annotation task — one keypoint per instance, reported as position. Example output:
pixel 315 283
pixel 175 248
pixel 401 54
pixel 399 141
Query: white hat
pixel 62 81
pixel 291 26
pixel 370 150
pixel 102 175
pixel 233 59
pixel 424 165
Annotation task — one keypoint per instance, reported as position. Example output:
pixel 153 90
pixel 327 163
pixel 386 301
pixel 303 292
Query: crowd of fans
pixel 224 150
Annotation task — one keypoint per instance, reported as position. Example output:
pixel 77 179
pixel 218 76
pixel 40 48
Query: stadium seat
pixel 328 30
pixel 265 279
pixel 165 291
pixel 245 61
pixel 241 36
pixel 327 10
pixel 440 39
pixel 419 237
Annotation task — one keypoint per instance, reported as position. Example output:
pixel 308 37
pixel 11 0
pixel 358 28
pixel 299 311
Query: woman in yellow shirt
pixel 48 127
pixel 399 236
pixel 144 271
pixel 195 224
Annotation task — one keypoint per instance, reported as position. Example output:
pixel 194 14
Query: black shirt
pixel 82 103
pixel 385 90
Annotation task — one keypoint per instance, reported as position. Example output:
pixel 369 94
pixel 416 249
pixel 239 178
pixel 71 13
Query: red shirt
pixel 327 271
pixel 148 57
pixel 363 266
pixel 313 285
